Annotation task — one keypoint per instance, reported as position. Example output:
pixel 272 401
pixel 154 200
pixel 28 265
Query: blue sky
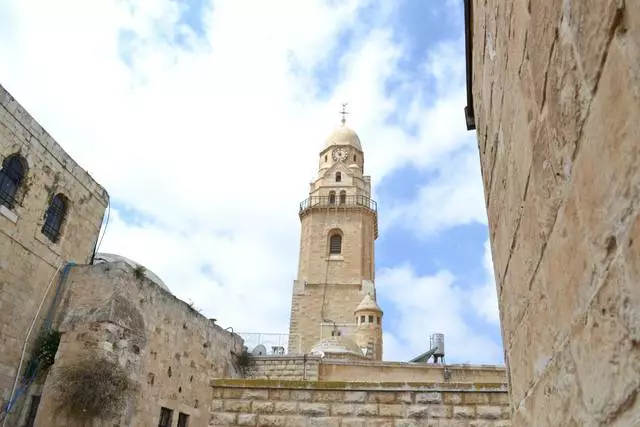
pixel 203 119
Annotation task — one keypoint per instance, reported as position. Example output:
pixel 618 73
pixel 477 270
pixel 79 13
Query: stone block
pixel 255 394
pixel 545 21
pixel 452 398
pixel 236 405
pixel 261 407
pixel 387 410
pixel 366 410
pixel 313 409
pixel 247 419
pixel 489 412
pixel 342 409
pixel 301 395
pixel 324 422
pixel 417 411
pixel 430 397
pixel 464 412
pixel 223 418
pixel 439 411
pixel 353 422
pixel 355 396
pixel 285 407
pixel 272 421
pixel 475 398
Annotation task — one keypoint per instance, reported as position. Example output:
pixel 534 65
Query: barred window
pixel 335 244
pixel 166 416
pixel 183 420
pixel 11 177
pixel 338 176
pixel 54 217
pixel 332 197
pixel 343 197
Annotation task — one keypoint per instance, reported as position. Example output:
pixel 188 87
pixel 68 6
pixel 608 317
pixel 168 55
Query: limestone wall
pixel 284 367
pixel 28 259
pixel 168 349
pixel 333 404
pixel 556 90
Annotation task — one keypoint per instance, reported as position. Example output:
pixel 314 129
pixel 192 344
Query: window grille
pixel 166 416
pixel 183 420
pixel 11 177
pixel 54 217
pixel 335 244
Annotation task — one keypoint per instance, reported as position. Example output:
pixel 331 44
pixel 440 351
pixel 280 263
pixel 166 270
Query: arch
pixel 343 197
pixel 12 174
pixel 335 242
pixel 332 197
pixel 338 176
pixel 54 217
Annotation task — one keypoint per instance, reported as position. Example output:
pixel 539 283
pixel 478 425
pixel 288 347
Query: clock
pixel 339 154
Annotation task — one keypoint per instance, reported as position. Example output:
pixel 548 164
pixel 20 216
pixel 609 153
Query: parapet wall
pixel 333 404
pixel 284 368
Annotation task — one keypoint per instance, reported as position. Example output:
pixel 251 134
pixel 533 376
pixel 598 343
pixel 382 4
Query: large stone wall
pixel 28 259
pixel 284 368
pixel 556 90
pixel 168 349
pixel 333 404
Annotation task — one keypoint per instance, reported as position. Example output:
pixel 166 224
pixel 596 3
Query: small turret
pixel 368 316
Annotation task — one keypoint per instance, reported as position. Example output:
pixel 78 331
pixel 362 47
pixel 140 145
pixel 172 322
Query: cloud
pixel 210 132
pixel 438 303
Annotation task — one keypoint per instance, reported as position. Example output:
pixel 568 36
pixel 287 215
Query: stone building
pixel 97 339
pixel 554 92
pixel 336 272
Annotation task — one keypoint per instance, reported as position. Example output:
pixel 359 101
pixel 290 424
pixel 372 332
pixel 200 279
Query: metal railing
pixel 275 344
pixel 339 201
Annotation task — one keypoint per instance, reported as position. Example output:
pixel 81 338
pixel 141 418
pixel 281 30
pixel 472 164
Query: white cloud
pixel 216 136
pixel 438 304
pixel 485 297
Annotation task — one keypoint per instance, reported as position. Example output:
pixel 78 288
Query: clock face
pixel 339 154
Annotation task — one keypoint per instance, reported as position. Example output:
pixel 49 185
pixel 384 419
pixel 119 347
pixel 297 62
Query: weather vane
pixel 344 112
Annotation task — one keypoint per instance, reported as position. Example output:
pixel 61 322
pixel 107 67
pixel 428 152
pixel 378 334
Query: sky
pixel 204 119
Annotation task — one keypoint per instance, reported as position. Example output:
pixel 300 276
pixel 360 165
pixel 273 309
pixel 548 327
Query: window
pixel 335 244
pixel 343 197
pixel 54 217
pixel 354 158
pixel 166 416
pixel 11 177
pixel 378 320
pixel 370 319
pixel 325 158
pixel 183 420
pixel 361 319
pixel 338 177
pixel 332 197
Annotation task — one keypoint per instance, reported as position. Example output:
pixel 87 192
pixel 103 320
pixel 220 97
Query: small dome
pixel 101 258
pixel 343 136
pixel 336 345
pixel 368 304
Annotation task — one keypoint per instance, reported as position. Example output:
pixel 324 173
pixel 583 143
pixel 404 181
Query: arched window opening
pixel 54 217
pixel 335 244
pixel 355 158
pixel 338 177
pixel 343 197
pixel 362 319
pixel 332 197
pixel 11 178
pixel 370 318
pixel 325 158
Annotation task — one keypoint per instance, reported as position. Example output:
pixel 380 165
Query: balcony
pixel 338 202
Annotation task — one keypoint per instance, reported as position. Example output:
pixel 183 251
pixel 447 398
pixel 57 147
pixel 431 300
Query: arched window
pixel 335 244
pixel 354 158
pixel 343 197
pixel 332 197
pixel 338 177
pixel 11 178
pixel 361 319
pixel 325 158
pixel 54 217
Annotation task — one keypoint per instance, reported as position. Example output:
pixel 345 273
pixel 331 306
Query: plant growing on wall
pixel 44 352
pixel 243 361
pixel 139 271
pixel 93 388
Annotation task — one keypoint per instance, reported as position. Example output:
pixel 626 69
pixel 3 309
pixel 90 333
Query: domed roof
pixel 336 345
pixel 101 258
pixel 342 135
pixel 368 304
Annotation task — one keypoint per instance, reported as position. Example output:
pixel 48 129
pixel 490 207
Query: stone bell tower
pixel 339 225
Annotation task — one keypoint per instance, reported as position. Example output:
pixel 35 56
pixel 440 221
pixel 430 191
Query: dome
pixel 343 136
pixel 102 258
pixel 336 345
pixel 368 304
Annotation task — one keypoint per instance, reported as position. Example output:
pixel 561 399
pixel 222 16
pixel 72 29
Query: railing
pixel 338 201
pixel 275 344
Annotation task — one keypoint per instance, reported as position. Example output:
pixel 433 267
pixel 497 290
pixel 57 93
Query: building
pixel 334 296
pixel 97 339
pixel 554 93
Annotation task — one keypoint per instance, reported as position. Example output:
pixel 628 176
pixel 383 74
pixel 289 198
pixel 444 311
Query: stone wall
pixel 556 91
pixel 168 349
pixel 284 367
pixel 28 259
pixel 333 404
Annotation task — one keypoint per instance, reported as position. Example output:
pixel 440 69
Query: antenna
pixel 344 112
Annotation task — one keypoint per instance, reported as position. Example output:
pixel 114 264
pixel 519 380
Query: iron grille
pixel 166 416
pixel 53 218
pixel 344 201
pixel 335 244
pixel 11 177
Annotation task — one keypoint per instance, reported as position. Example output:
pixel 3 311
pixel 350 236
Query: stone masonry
pixel 28 259
pixel 556 96
pixel 334 404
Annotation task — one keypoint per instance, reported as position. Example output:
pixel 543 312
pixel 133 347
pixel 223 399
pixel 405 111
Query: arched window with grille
pixel 335 244
pixel 54 217
pixel 343 197
pixel 332 197
pixel 338 176
pixel 11 178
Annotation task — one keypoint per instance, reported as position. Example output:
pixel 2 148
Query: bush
pixel 93 388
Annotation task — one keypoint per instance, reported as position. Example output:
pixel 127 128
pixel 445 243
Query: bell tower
pixel 336 270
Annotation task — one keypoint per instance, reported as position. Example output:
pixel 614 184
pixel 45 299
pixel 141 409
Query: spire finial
pixel 344 112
